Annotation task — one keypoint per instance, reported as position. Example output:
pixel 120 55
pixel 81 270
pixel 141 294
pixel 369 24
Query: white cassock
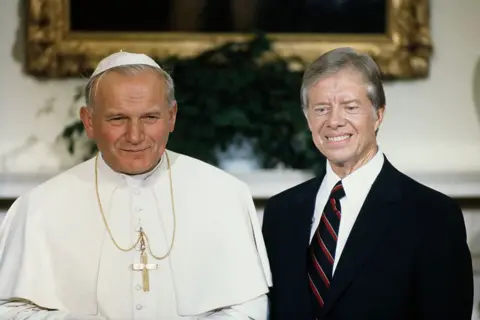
pixel 55 250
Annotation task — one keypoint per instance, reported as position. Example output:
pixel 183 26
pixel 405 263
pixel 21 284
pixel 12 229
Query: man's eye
pixel 116 119
pixel 150 119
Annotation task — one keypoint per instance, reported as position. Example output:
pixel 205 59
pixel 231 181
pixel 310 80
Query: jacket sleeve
pixel 444 275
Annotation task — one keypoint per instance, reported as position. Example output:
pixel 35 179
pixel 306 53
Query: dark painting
pixel 230 16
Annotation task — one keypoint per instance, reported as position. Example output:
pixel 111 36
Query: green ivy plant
pixel 235 93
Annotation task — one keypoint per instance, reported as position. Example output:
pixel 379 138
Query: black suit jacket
pixel 405 258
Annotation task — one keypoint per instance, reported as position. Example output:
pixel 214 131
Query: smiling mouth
pixel 339 138
pixel 140 150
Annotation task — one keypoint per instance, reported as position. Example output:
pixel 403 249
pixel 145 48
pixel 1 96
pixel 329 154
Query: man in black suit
pixel 362 240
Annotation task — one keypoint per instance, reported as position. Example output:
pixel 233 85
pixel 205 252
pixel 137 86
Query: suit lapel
pixel 375 217
pixel 305 206
pixel 297 247
pixel 294 242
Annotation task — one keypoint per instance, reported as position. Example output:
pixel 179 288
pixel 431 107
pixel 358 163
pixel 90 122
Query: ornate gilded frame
pixel 53 51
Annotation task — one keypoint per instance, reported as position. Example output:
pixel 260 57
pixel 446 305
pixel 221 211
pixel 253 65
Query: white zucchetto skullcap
pixel 123 58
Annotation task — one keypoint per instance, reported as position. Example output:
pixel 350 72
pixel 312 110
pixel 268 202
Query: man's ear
pixel 305 113
pixel 379 113
pixel 86 117
pixel 172 117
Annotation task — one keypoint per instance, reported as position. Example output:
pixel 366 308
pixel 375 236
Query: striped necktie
pixel 321 253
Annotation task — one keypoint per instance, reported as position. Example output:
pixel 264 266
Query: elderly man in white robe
pixel 138 231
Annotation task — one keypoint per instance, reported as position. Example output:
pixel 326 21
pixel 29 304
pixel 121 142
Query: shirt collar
pixel 131 180
pixel 358 183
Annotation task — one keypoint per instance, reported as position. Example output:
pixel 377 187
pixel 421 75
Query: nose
pixel 135 133
pixel 336 118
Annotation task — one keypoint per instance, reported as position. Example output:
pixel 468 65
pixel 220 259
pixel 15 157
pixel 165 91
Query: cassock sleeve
pixel 23 311
pixel 256 309
pixel 444 273
pixel 12 252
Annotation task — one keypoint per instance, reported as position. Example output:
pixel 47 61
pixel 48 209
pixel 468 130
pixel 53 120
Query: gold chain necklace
pixel 142 237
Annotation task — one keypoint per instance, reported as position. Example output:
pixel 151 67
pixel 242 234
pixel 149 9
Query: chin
pixel 136 170
pixel 136 166
pixel 338 158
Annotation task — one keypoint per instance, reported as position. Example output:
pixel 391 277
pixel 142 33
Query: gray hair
pixel 340 59
pixel 131 69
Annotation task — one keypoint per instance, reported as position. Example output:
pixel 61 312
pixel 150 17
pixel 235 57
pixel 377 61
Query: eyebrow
pixel 114 114
pixel 122 114
pixel 351 101
pixel 329 104
pixel 320 104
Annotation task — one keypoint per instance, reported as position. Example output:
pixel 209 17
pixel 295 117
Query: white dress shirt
pixel 357 186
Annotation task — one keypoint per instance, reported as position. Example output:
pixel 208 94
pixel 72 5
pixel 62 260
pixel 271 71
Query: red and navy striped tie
pixel 321 254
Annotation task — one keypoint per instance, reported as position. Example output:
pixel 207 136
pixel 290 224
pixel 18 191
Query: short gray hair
pixel 340 59
pixel 131 69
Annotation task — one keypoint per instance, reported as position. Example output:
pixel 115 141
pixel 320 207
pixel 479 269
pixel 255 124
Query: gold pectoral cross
pixel 144 266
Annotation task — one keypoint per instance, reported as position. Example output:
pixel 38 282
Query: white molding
pixel 265 183
pixel 12 185
pixel 476 263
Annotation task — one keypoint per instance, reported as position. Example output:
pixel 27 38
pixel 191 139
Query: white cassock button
pixel 136 192
pixel 139 307
pixel 138 287
pixel 138 209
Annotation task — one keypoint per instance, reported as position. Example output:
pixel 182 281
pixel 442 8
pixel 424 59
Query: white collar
pixel 131 180
pixel 357 184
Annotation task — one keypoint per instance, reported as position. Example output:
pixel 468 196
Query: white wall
pixel 433 124
pixel 24 100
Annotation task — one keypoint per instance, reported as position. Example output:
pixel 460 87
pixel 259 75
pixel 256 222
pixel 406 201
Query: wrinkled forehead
pixel 343 76
pixel 115 81
pixel 114 87
pixel 345 83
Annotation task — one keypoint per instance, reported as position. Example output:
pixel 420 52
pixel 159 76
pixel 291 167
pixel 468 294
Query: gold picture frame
pixel 53 51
